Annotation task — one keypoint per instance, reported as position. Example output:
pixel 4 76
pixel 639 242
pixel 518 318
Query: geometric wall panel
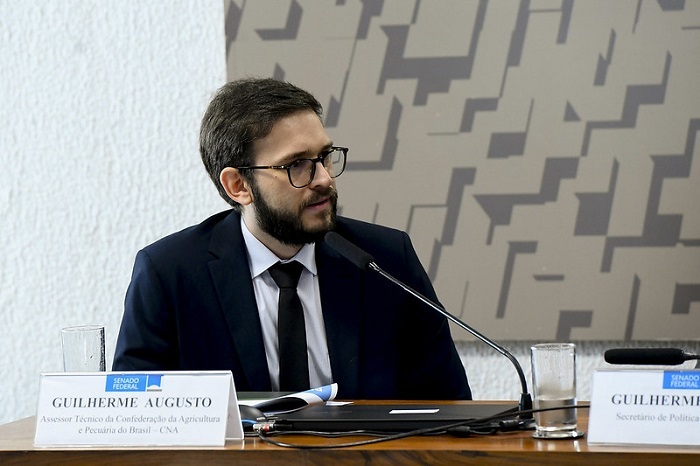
pixel 542 154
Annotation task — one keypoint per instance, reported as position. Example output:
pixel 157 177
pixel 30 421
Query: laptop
pixel 389 417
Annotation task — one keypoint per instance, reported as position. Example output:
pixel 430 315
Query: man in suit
pixel 204 298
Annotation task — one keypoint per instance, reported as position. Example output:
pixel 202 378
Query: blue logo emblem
pixel 133 382
pixel 683 380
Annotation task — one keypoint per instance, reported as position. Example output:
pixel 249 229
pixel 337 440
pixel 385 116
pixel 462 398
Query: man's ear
pixel 235 185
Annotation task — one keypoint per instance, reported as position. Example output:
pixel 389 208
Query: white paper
pixel 295 401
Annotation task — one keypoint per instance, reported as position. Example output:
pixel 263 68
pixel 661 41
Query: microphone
pixel 365 261
pixel 648 356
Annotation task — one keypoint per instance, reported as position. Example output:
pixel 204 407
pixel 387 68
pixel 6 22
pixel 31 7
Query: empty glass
pixel 83 348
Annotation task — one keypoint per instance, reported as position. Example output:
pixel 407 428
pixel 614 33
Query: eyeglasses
pixel 301 172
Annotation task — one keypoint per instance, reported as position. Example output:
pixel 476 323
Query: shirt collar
pixel 261 258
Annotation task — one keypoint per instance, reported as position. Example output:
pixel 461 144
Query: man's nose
pixel 322 176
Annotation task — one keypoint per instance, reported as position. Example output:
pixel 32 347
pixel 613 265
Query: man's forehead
pixel 300 134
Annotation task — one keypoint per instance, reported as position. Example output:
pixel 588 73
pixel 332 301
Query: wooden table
pixel 520 448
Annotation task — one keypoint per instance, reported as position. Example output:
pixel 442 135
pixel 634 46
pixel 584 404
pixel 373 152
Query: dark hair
pixel 241 112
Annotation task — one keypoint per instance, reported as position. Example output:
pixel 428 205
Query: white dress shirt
pixel 260 258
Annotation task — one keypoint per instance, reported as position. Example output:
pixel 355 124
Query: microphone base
pixel 525 406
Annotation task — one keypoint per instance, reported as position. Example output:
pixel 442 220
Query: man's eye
pixel 299 164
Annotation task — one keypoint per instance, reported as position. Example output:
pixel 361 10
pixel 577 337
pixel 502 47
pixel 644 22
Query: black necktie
pixel 294 363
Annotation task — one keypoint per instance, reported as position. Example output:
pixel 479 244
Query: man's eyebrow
pixel 289 158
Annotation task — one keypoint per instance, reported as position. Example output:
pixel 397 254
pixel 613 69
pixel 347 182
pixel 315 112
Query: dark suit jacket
pixel 191 306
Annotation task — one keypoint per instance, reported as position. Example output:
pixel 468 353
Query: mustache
pixel 330 192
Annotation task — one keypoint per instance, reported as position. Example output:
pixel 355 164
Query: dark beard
pixel 286 226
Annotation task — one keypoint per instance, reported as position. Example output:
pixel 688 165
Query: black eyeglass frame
pixel 321 158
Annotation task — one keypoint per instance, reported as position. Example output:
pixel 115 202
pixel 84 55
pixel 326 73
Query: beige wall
pixel 539 153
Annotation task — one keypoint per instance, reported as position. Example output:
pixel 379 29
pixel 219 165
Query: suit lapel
pixel 342 316
pixel 230 274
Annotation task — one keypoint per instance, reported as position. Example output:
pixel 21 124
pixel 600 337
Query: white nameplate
pixel 645 407
pixel 137 409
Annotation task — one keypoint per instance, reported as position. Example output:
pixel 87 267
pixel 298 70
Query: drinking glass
pixel 83 348
pixel 554 386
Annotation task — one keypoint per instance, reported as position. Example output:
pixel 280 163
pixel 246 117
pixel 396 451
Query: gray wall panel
pixel 542 155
